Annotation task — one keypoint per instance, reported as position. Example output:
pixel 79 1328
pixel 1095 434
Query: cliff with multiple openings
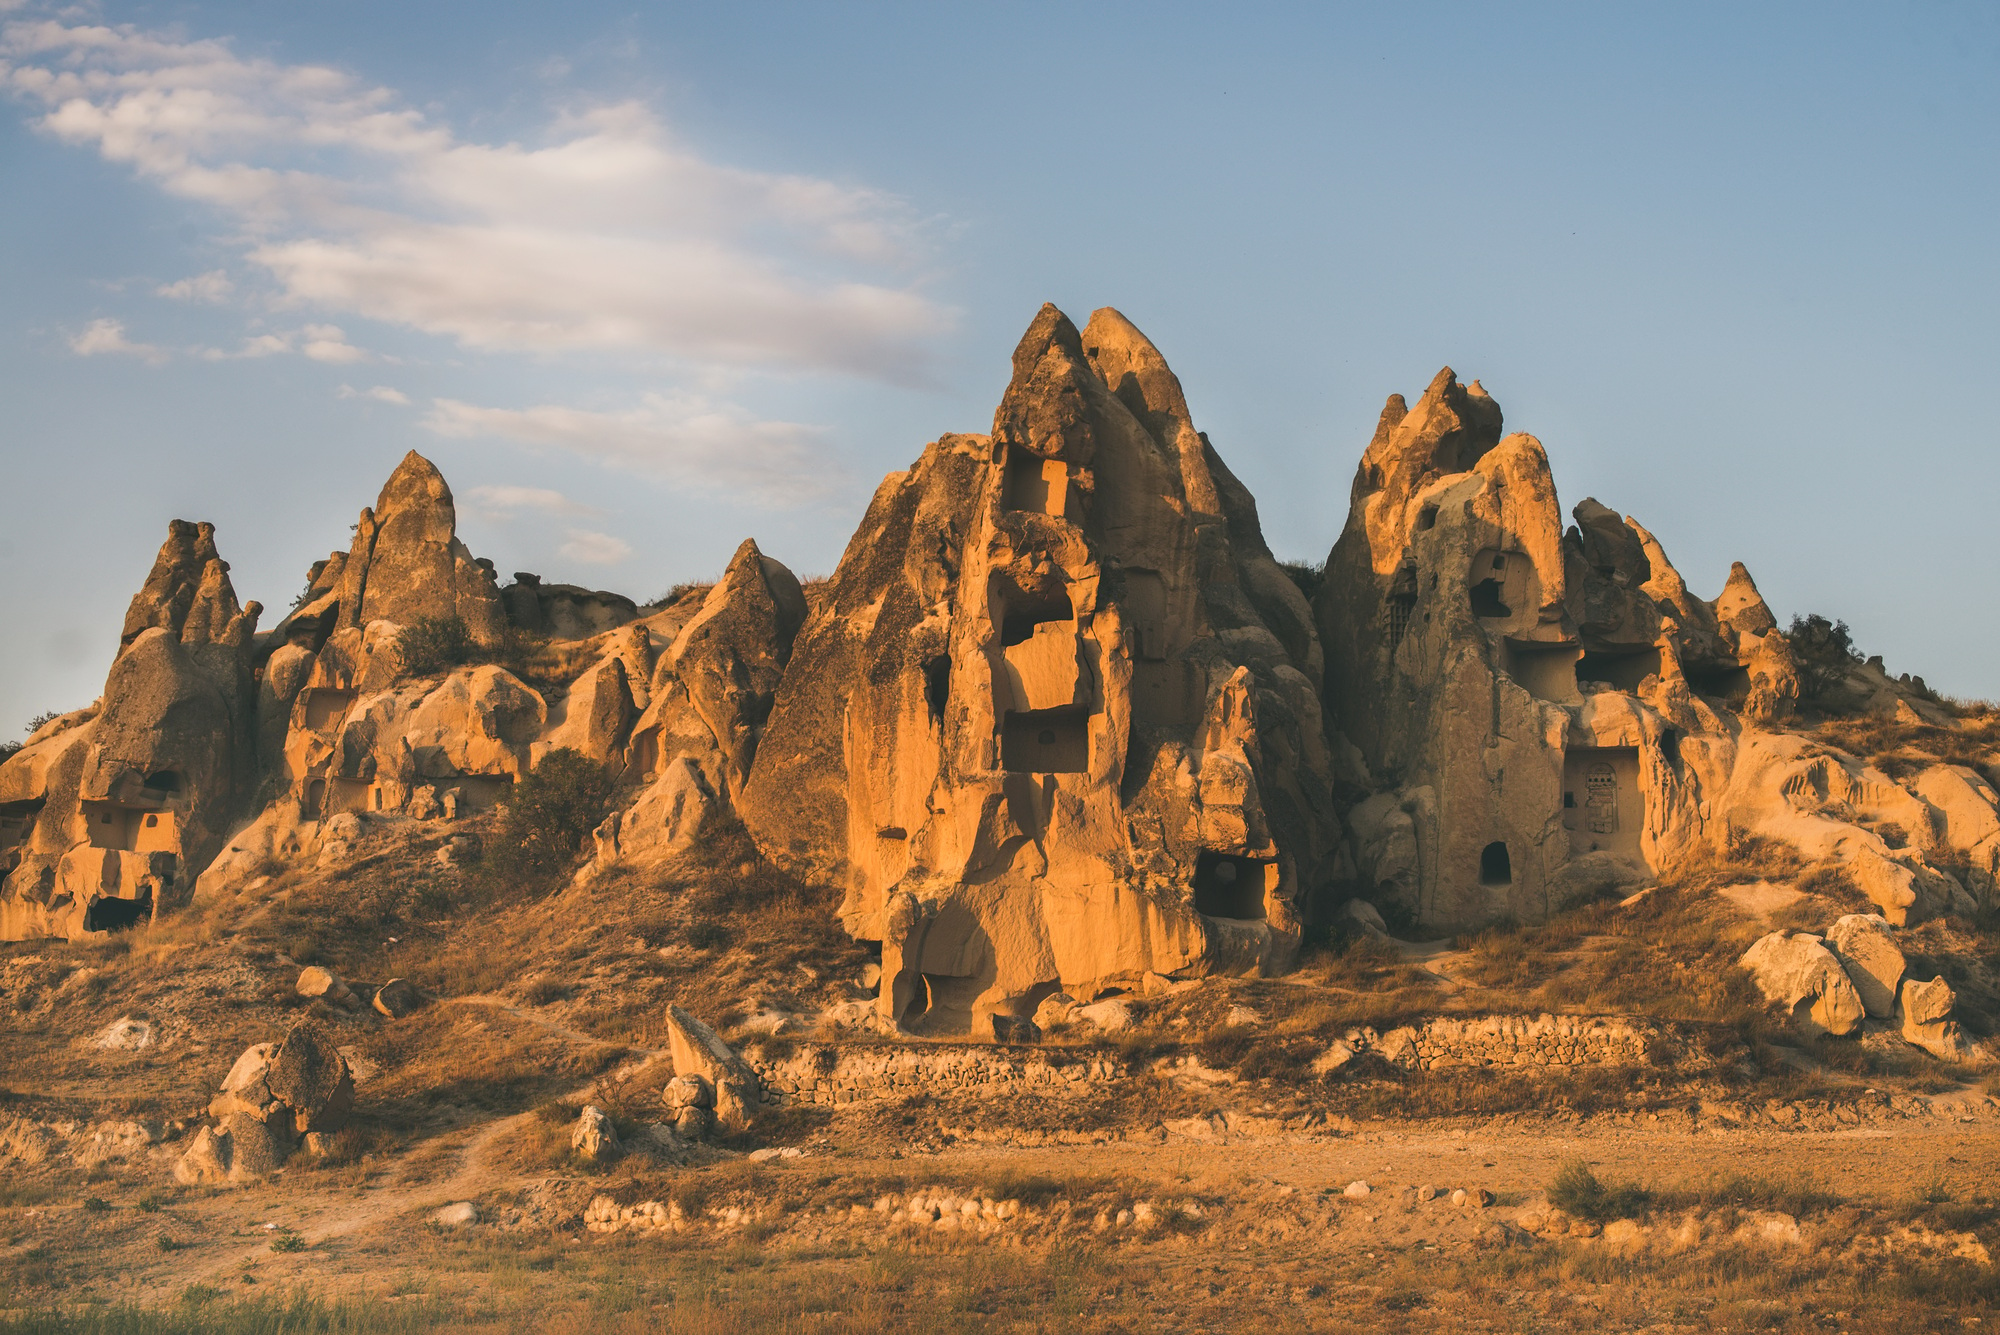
pixel 1057 722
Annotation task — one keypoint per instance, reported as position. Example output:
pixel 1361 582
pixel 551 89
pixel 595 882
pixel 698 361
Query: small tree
pixel 549 815
pixel 1824 651
pixel 435 644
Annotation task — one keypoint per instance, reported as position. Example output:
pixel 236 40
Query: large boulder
pixel 1797 971
pixel 1866 946
pixel 1927 1019
pixel 698 1051
pixel 1059 694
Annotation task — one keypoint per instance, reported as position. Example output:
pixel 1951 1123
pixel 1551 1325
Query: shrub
pixel 1577 1191
pixel 1307 575
pixel 1824 651
pixel 549 815
pixel 430 645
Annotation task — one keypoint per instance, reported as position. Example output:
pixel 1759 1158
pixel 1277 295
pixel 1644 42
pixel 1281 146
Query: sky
pixel 645 283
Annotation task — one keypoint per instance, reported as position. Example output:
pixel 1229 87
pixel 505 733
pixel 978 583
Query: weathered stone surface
pixel 593 1138
pixel 1927 1019
pixel 257 1148
pixel 1112 1017
pixel 1059 694
pixel 315 981
pixel 688 1091
pixel 207 1159
pixel 1867 949
pixel 1796 970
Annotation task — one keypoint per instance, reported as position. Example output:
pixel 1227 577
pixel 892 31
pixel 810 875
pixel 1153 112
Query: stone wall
pixel 1520 1040
pixel 825 1074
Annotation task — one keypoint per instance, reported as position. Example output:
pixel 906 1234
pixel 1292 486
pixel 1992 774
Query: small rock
pixel 124 1034
pixel 315 981
pixel 1110 1017
pixel 594 1138
pixel 459 850
pixel 1356 1189
pixel 694 1123
pixel 1458 1196
pixel 688 1091
pixel 1427 1193
pixel 764 1155
pixel 871 977
pixel 1478 1198
pixel 458 1214
pixel 207 1158
pixel 1337 1055
pixel 397 998
pixel 1241 1017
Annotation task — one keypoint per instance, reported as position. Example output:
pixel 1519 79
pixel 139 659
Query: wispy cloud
pixel 379 393
pixel 212 287
pixel 611 234
pixel 683 438
pixel 107 338
pixel 595 549
pixel 504 501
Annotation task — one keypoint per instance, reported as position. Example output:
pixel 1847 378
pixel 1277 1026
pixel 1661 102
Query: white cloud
pixel 504 501
pixel 596 549
pixel 212 287
pixel 609 235
pixel 380 393
pixel 107 337
pixel 326 343
pixel 716 448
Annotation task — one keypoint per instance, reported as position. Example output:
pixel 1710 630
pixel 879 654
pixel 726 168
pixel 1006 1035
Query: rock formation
pixel 107 813
pixel 1054 725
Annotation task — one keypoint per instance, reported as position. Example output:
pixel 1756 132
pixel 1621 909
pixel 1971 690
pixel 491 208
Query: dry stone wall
pixel 823 1074
pixel 1520 1040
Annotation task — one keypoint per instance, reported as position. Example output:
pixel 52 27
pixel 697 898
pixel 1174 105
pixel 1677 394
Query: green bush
pixel 546 821
pixel 1576 1191
pixel 1824 651
pixel 431 645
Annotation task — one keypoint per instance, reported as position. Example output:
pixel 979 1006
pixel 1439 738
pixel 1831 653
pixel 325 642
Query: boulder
pixel 688 1091
pixel 244 1088
pixel 309 1076
pixel 1797 971
pixel 459 1214
pixel 594 1139
pixel 1866 946
pixel 315 981
pixel 257 1148
pixel 694 1123
pixel 1110 1017
pixel 698 1051
pixel 1054 1009
pixel 1365 916
pixel 1015 1029
pixel 206 1161
pixel 397 997
pixel 1927 1021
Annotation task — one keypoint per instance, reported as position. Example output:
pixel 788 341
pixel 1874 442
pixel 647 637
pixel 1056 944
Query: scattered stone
pixel 1366 916
pixel 315 981
pixel 309 1076
pixel 1458 1197
pixel 124 1034
pixel 257 1148
pixel 397 998
pixel 1427 1193
pixel 459 1214
pixel 1337 1055
pixel 594 1138
pixel 206 1160
pixel 1241 1017
pixel 692 1123
pixel 1477 1198
pixel 1356 1189
pixel 871 977
pixel 460 850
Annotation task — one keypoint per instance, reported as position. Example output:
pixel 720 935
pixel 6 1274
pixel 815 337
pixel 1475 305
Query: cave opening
pixel 1229 886
pixel 116 915
pixel 937 685
pixel 1046 741
pixel 1495 866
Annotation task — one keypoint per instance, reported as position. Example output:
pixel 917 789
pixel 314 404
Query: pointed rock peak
pixel 1131 365
pixel 186 573
pixel 1045 407
pixel 416 481
pixel 1742 606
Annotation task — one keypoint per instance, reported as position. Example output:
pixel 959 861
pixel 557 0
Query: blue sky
pixel 646 283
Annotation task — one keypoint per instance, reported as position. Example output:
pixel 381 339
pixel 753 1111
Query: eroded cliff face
pixel 1041 730
pixel 1548 715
